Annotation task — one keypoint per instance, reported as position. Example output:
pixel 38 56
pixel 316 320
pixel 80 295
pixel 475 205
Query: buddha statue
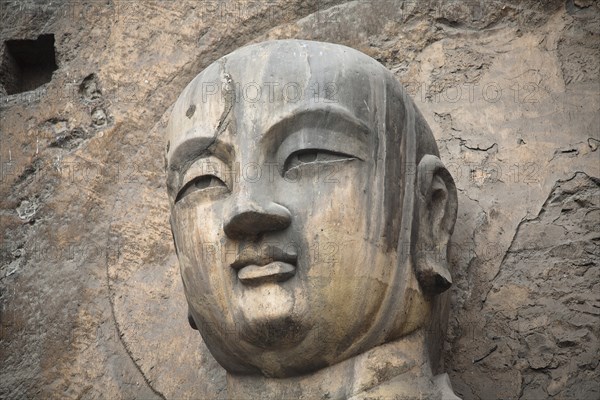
pixel 311 216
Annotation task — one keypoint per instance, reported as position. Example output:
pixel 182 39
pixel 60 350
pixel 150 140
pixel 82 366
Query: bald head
pixel 301 146
pixel 266 82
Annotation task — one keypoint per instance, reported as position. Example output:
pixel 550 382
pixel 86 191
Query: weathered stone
pixel 86 282
pixel 337 151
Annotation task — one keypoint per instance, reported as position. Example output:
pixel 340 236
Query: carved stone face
pixel 286 176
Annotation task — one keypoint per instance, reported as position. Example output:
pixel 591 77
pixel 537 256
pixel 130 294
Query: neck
pixel 396 368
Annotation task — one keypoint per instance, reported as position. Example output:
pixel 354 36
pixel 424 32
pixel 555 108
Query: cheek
pixel 335 208
pixel 334 222
pixel 346 259
pixel 327 189
pixel 200 250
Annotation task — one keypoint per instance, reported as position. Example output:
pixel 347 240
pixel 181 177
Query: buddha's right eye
pixel 204 184
pixel 313 157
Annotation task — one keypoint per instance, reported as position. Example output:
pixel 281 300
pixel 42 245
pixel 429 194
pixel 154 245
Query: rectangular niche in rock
pixel 26 64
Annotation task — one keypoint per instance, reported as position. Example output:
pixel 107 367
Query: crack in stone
pixel 487 354
pixel 477 148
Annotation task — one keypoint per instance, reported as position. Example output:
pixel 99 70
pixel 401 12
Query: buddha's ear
pixel 435 214
pixel 191 320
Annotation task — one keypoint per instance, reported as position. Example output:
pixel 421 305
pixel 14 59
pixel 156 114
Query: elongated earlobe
pixel 435 214
pixel 191 321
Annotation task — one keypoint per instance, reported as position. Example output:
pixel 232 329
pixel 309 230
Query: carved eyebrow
pixel 332 116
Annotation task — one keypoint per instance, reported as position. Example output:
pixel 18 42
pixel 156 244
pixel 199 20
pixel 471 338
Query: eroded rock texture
pixel 91 299
pixel 538 335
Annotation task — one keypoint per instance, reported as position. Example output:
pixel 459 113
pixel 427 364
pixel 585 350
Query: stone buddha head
pixel 309 208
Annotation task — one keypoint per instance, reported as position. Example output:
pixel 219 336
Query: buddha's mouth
pixel 276 271
pixel 272 265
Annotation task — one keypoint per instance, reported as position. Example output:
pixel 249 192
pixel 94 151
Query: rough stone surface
pixel 88 274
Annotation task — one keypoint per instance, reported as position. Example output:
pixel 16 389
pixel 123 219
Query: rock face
pixel 539 331
pixel 92 302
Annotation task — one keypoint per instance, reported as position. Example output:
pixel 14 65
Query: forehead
pixel 253 88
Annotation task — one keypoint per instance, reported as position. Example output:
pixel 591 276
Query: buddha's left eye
pixel 201 184
pixel 307 157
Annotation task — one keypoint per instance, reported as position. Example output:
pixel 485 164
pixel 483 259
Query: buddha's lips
pixel 272 265
pixel 276 271
pixel 263 257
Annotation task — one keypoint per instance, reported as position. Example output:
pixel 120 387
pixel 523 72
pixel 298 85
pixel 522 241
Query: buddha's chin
pixel 274 334
pixel 269 317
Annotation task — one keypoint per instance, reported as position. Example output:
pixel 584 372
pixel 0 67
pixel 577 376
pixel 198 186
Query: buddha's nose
pixel 251 219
